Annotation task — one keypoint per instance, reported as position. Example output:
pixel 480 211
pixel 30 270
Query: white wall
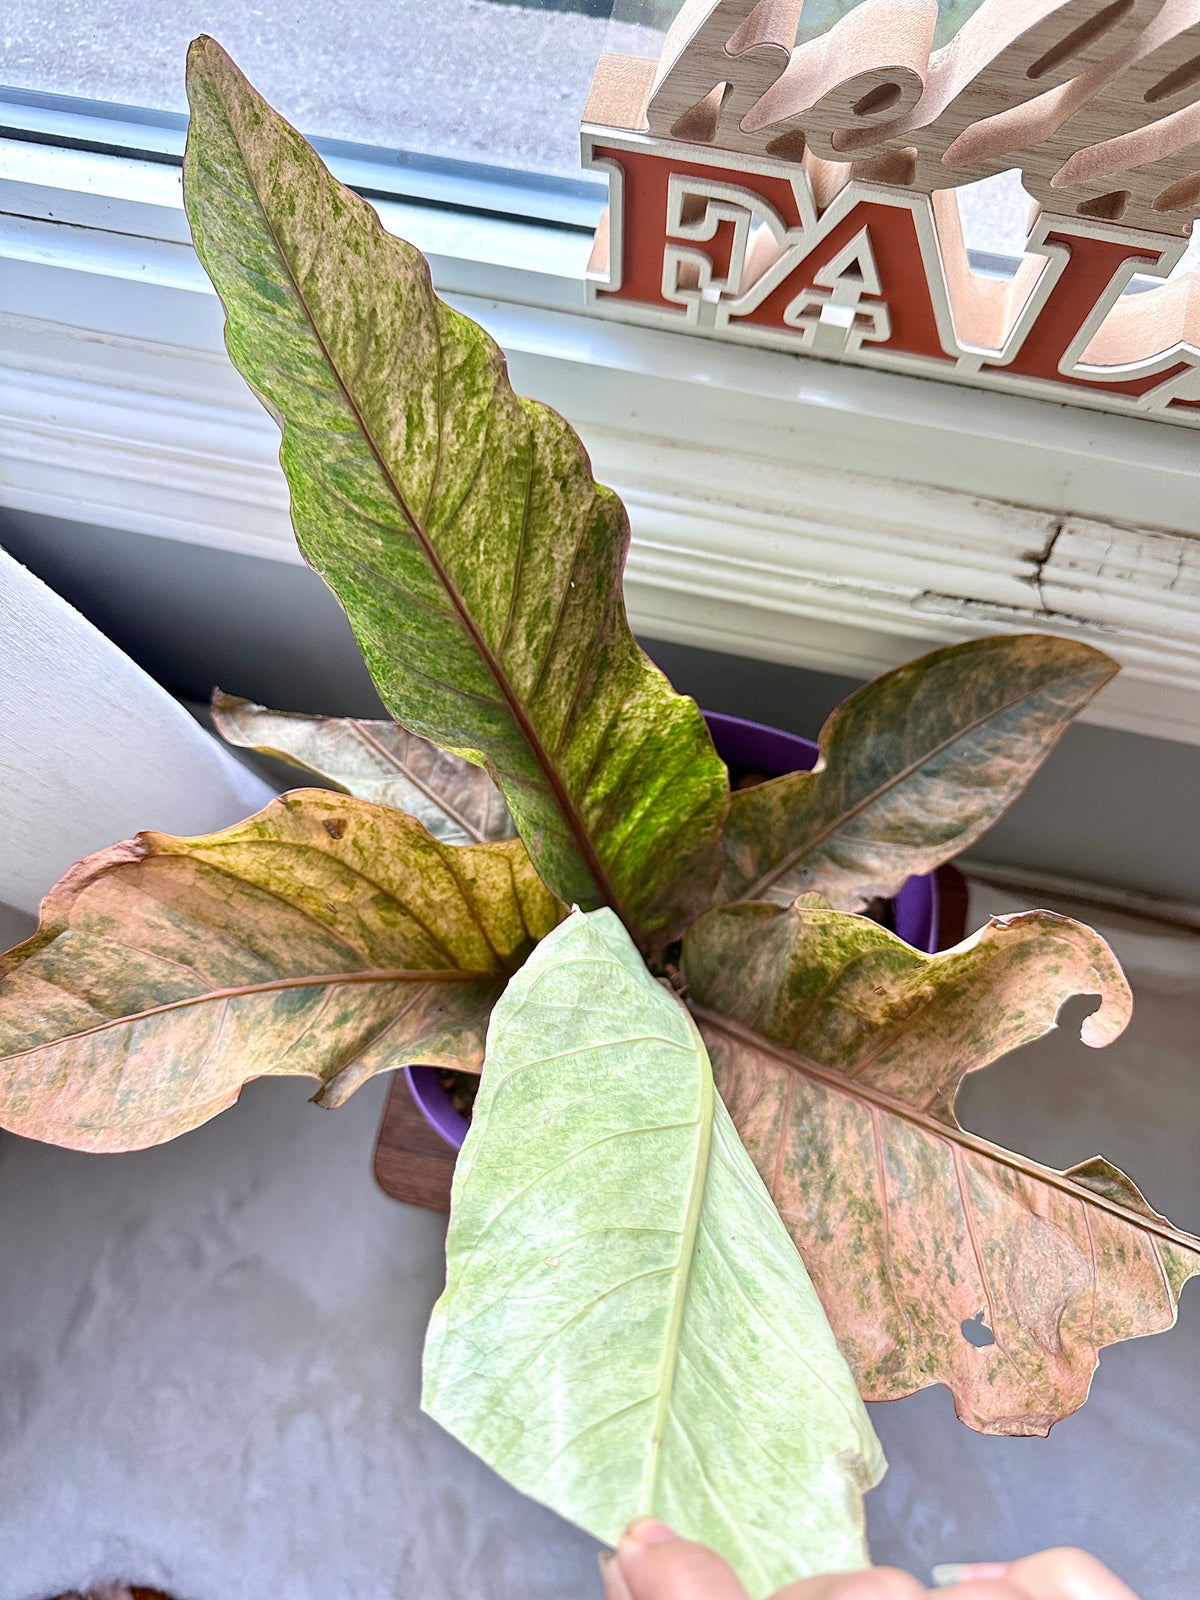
pixel 91 749
pixel 1113 807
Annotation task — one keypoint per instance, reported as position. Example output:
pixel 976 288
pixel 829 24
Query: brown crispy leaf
pixel 913 768
pixel 839 1051
pixel 375 760
pixel 325 937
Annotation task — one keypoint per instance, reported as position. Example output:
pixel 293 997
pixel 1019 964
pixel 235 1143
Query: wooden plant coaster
pixel 413 1163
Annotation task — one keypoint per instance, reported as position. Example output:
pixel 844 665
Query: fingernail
pixel 648 1530
pixel 944 1576
pixel 614 1583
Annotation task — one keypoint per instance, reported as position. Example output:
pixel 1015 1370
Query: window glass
pixel 495 82
pixel 498 82
pixel 818 15
pixel 821 14
pixel 481 80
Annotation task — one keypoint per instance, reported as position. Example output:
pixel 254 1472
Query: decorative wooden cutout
pixel 802 197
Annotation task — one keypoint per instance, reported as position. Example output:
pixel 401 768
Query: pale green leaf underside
pixel 627 1328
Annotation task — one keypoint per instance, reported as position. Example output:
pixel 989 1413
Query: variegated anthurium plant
pixel 714 1190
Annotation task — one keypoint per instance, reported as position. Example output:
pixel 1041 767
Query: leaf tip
pixel 207 59
pixel 199 52
pixel 205 45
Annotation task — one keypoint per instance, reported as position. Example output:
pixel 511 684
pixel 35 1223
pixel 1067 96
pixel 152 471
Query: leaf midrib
pixel 794 857
pixel 558 789
pixel 687 1256
pixel 414 975
pixel 948 1132
pixel 394 761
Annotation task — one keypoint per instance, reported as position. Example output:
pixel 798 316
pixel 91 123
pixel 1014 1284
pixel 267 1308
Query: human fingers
pixel 653 1563
pixel 875 1583
pixel 1065 1575
pixel 984 1588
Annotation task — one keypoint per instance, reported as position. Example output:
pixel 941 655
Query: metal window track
pixel 377 174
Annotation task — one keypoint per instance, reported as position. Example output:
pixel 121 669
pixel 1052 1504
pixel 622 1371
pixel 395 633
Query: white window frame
pixel 782 507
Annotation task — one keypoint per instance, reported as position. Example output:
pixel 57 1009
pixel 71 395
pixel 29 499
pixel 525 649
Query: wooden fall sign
pixel 802 197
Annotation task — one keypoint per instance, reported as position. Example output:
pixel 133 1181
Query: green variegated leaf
pixel 839 1051
pixel 912 769
pixel 626 1328
pixel 460 526
pixel 325 937
pixel 379 761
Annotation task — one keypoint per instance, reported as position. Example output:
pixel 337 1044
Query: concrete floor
pixel 209 1357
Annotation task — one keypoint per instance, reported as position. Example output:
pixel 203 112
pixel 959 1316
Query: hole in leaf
pixel 976 1331
pixel 897 167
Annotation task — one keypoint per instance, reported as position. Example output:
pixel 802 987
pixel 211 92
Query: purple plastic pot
pixel 744 747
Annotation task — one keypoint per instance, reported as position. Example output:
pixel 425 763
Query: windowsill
pixel 782 507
